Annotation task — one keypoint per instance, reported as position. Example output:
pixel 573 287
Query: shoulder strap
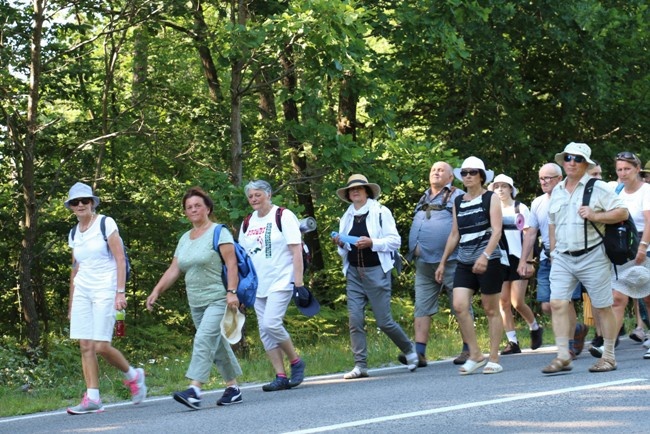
pixel 246 222
pixel 73 231
pixel 619 188
pixel 586 197
pixel 278 217
pixel 215 239
pixel 102 227
pixel 486 200
pixel 517 203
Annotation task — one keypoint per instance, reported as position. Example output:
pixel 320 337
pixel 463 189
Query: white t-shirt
pixel 269 251
pixel 513 236
pixel 96 265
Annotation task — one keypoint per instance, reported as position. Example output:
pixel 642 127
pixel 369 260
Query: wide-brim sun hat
pixel 80 191
pixel 506 180
pixel 474 163
pixel 232 323
pixel 305 301
pixel 357 180
pixel 633 280
pixel 574 148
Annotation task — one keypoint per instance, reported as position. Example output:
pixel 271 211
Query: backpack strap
pixel 586 197
pixel 102 227
pixel 246 222
pixel 215 239
pixel 278 217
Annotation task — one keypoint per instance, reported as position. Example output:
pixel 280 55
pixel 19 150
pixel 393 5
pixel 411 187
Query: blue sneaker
pixel 232 395
pixel 280 383
pixel 297 373
pixel 188 397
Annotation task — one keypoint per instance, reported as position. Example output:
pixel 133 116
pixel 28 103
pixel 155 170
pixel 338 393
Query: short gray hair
pixel 258 184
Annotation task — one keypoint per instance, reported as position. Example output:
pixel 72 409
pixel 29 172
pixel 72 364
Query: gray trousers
pixel 371 284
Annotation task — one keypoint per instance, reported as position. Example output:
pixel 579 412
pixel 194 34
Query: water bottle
pixel 120 327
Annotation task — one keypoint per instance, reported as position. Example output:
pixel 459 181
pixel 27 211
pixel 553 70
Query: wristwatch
pixel 232 291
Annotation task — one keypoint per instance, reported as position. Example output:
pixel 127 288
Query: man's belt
pixel 581 252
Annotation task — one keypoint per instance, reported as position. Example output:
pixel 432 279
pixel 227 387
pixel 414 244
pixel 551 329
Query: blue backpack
pixel 247 287
pixel 102 227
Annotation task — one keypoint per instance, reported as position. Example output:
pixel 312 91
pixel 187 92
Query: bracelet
pixel 121 291
pixel 486 255
pixel 645 243
pixel 530 262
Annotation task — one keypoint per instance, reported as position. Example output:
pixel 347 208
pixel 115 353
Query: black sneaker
pixel 597 341
pixel 511 348
pixel 232 395
pixel 188 397
pixel 422 360
pixel 280 383
pixel 297 373
pixel 536 338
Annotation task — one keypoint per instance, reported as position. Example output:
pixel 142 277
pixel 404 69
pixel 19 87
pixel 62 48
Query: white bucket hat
pixel 574 148
pixel 79 191
pixel 506 180
pixel 474 163
pixel 355 181
pixel 633 280
pixel 232 323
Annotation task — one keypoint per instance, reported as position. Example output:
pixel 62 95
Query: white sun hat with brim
pixel 506 180
pixel 474 163
pixel 232 324
pixel 633 280
pixel 357 180
pixel 574 148
pixel 80 191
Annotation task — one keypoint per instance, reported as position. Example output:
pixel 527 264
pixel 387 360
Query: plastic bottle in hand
pixel 120 327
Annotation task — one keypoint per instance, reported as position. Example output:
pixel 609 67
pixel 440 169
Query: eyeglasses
pixel 75 202
pixel 471 172
pixel 629 157
pixel 576 158
pixel 547 178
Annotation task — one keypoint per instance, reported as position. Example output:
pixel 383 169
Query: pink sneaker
pixel 137 387
pixel 87 406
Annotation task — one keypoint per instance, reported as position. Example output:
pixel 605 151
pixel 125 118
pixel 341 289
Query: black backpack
pixel 102 227
pixel 621 239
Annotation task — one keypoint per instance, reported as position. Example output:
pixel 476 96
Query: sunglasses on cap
pixel 470 172
pixel 629 157
pixel 576 158
pixel 83 200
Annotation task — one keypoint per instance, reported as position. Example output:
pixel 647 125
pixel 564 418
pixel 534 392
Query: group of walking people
pixel 474 240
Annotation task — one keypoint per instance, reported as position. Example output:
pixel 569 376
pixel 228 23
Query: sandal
pixel 470 366
pixel 492 368
pixel 557 365
pixel 603 365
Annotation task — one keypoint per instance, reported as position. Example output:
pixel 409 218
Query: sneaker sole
pixel 237 401
pixel 74 413
pixel 184 401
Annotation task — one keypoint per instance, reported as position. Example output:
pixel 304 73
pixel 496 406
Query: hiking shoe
pixel 511 348
pixel 137 387
pixel 412 361
pixel 422 360
pixel 536 337
pixel 356 372
pixel 188 397
pixel 87 405
pixel 597 341
pixel 297 373
pixel 462 358
pixel 638 334
pixel 232 395
pixel 597 352
pixel 579 338
pixel 280 383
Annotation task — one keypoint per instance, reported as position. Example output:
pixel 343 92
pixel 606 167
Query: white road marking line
pixel 463 406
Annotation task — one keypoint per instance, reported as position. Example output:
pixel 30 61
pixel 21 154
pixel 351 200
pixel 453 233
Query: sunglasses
pixel 629 157
pixel 84 200
pixel 471 172
pixel 576 158
pixel 547 178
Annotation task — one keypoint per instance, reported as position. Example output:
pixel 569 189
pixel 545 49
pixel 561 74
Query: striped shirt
pixel 474 228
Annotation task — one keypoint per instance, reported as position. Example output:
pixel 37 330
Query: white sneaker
pixel 647 355
pixel 357 372
pixel 412 361
pixel 647 343
pixel 137 387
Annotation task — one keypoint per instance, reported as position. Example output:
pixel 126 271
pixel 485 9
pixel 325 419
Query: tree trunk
pixel 209 70
pixel 347 115
pixel 30 222
pixel 240 16
pixel 299 162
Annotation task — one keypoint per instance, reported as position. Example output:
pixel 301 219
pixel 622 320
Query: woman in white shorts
pixel 97 283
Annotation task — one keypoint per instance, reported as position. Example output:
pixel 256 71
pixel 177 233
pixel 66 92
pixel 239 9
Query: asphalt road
pixel 392 400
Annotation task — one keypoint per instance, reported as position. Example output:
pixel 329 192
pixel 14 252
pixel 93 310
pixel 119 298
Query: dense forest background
pixel 143 99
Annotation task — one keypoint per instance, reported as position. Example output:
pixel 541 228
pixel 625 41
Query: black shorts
pixel 488 283
pixel 511 273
